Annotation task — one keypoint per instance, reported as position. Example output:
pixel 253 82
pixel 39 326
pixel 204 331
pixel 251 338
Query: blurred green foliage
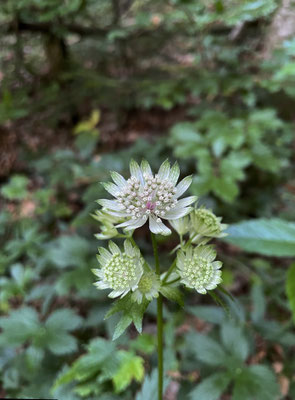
pixel 65 64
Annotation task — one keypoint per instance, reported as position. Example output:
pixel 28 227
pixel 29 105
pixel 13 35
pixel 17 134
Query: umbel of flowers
pixel 145 197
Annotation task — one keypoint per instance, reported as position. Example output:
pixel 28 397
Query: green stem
pixel 173 265
pixel 170 283
pixel 159 323
pixel 170 270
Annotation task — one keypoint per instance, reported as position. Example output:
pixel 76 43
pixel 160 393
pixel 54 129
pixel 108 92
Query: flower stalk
pixel 159 323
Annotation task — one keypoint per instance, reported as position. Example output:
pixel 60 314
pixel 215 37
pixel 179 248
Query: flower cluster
pixel 120 271
pixel 197 268
pixel 145 196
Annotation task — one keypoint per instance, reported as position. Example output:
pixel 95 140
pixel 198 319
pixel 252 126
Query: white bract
pixel 120 271
pixel 197 268
pixel 145 196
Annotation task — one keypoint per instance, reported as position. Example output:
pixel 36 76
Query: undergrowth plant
pixel 145 197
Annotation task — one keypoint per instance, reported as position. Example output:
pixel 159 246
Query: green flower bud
pixel 205 223
pixel 148 287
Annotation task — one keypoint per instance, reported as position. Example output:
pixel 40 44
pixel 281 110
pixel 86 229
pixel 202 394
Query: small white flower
pixel 197 268
pixel 154 197
pixel 120 271
pixel 148 287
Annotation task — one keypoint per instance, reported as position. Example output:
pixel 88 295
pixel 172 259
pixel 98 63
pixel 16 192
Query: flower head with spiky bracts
pixel 205 223
pixel 145 196
pixel 148 287
pixel 120 271
pixel 197 268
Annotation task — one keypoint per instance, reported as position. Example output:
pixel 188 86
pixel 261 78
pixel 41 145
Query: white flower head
pixel 120 271
pixel 147 197
pixel 205 223
pixel 148 287
pixel 197 268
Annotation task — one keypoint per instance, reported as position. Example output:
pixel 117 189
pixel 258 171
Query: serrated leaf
pixel 131 367
pixel 61 343
pixel 272 237
pixel 20 325
pixel 290 288
pixel 99 351
pixel 211 388
pixel 206 349
pixel 130 311
pixel 255 382
pixel 121 326
pixel 234 340
pixel 63 319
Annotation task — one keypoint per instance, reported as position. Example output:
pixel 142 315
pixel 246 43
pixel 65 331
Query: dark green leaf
pixel 272 237
pixel 211 388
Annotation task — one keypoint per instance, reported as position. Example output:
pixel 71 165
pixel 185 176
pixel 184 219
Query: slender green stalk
pixel 169 283
pixel 159 324
pixel 173 265
pixel 170 270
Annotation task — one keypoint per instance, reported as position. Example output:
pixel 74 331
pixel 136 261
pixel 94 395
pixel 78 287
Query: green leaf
pixel 34 357
pixel 206 349
pixel 172 293
pixel 272 237
pixel 131 367
pixel 68 251
pixel 61 343
pixel 255 382
pixel 131 312
pixel 290 288
pixel 145 343
pixel 121 326
pixel 212 314
pixel 63 319
pixel 20 325
pixel 150 387
pixel 234 340
pixel 16 189
pixel 89 124
pixel 225 188
pixel 99 351
pixel 211 388
pixel 258 302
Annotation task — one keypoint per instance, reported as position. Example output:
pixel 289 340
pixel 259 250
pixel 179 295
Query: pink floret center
pixel 150 205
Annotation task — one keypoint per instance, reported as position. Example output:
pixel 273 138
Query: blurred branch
pixel 47 27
